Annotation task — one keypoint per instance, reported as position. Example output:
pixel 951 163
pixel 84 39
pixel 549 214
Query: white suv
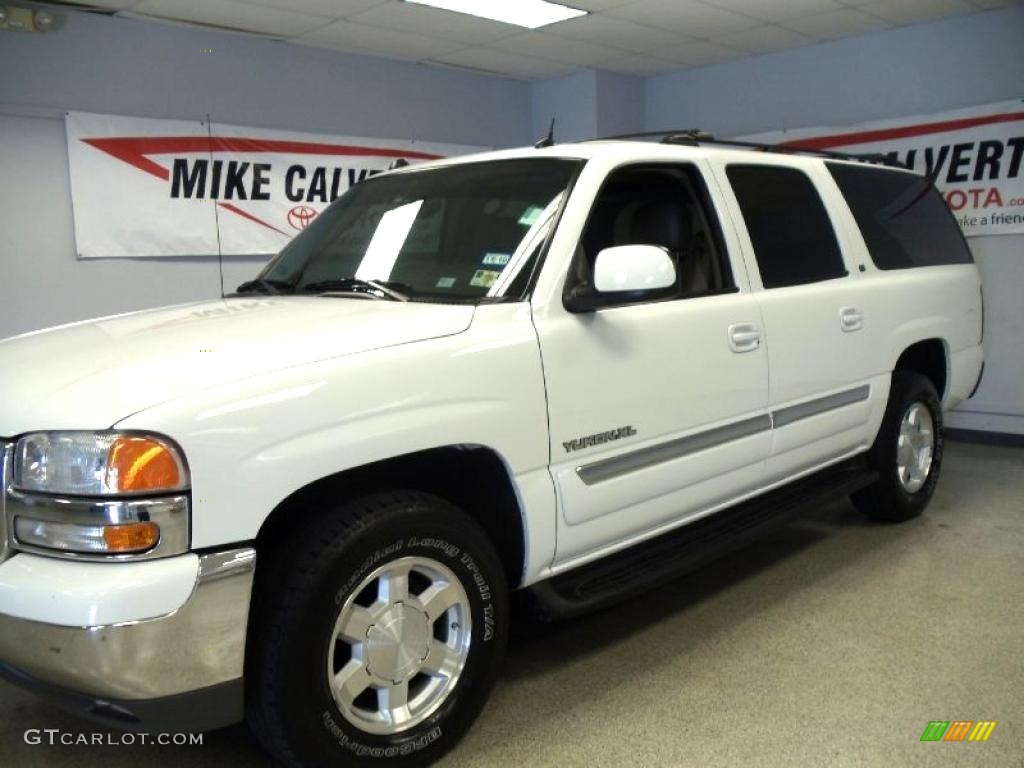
pixel 572 371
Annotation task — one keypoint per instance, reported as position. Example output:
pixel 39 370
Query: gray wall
pixel 957 62
pixel 571 100
pixel 588 104
pixel 127 67
pixel 124 66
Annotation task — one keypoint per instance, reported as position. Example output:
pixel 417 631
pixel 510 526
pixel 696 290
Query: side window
pixel 904 221
pixel 792 235
pixel 664 205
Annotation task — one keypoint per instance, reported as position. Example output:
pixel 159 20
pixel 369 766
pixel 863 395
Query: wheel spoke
pixel 354 623
pixel 393 702
pixel 441 660
pixel 904 451
pixel 394 585
pixel 924 462
pixel 438 598
pixel 350 681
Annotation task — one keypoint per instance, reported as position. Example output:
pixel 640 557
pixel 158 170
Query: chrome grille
pixel 6 457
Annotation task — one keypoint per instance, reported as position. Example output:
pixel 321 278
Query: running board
pixel 652 563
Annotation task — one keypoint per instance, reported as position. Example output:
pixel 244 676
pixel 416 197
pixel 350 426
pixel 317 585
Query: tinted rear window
pixel 792 235
pixel 903 218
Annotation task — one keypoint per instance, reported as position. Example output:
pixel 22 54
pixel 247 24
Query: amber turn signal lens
pixel 142 464
pixel 131 537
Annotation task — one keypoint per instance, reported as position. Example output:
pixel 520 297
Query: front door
pixel 657 402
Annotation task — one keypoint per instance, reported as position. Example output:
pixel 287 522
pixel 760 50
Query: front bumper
pixel 179 670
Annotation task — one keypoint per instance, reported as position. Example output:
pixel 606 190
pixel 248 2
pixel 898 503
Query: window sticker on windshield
pixel 445 282
pixel 484 278
pixel 530 215
pixel 496 259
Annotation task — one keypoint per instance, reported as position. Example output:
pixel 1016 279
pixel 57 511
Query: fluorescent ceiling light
pixel 524 13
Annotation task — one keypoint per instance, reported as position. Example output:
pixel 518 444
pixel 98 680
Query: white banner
pixel 143 187
pixel 974 156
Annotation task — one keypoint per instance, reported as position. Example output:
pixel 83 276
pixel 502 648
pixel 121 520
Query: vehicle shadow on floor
pixel 539 648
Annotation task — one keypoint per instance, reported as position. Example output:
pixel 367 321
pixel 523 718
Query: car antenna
pixel 548 140
pixel 216 214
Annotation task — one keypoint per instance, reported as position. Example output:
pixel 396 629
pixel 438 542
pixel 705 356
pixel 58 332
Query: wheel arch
pixel 930 358
pixel 473 477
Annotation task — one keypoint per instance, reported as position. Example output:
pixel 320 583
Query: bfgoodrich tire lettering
pixel 335 563
pixel 897 495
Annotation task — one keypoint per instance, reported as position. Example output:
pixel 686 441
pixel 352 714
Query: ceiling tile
pixel 768 10
pixel 487 59
pixel 386 42
pixel 690 17
pixel 332 9
pixel 639 64
pixel 434 22
pixel 614 33
pixel 234 15
pixel 114 5
pixel 989 4
pixel 348 48
pixel 915 11
pixel 635 36
pixel 553 48
pixel 833 25
pixel 697 53
pixel 763 39
pixel 591 5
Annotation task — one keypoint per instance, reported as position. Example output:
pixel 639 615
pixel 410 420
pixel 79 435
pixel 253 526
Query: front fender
pixel 253 443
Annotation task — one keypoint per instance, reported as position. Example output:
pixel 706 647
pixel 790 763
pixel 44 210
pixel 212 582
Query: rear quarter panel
pixel 912 305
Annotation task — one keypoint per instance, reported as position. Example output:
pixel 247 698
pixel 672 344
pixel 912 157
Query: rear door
pixel 822 343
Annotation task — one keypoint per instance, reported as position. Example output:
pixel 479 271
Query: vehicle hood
pixel 92 374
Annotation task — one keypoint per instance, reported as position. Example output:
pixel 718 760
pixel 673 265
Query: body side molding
pixel 788 415
pixel 607 469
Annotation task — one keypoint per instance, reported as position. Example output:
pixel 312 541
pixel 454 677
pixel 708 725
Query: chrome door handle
pixel 850 319
pixel 744 337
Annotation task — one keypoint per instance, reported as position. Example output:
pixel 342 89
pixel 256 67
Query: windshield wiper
pixel 357 285
pixel 263 285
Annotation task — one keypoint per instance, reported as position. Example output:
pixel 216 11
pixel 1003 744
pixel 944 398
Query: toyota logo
pixel 301 215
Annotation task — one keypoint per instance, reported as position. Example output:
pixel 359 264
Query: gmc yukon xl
pixel 566 373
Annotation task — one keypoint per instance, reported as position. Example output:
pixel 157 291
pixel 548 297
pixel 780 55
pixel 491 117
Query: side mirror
pixel 619 273
pixel 633 268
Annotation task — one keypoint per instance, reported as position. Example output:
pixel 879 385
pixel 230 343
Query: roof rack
pixel 695 137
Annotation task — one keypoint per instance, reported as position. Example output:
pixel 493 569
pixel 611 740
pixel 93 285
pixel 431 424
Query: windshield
pixel 459 233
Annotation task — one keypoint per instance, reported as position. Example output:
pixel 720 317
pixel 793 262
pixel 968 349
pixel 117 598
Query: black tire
pixel 289 704
pixel 887 499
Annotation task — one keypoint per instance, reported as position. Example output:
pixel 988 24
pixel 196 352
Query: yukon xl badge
pixel 598 439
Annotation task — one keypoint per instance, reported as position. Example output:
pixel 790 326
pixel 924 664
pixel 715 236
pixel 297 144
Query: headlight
pixel 98 494
pixel 97 464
